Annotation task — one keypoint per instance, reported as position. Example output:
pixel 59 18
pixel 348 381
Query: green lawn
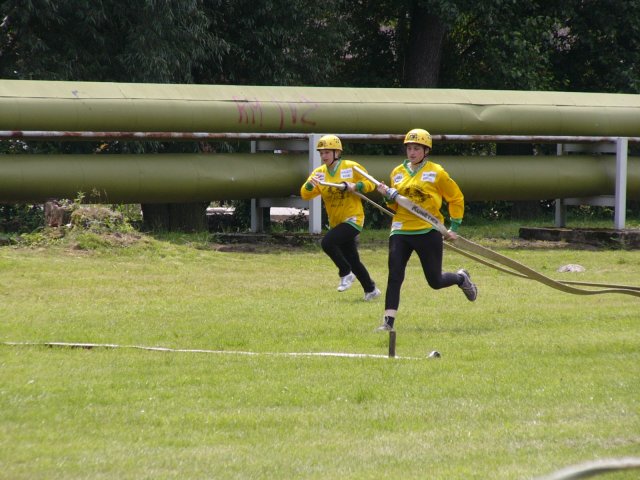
pixel 530 379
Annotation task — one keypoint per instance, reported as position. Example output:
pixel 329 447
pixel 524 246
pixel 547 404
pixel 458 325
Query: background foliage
pixel 575 45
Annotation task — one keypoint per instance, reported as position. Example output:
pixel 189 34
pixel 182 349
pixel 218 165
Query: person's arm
pixel 310 188
pixel 362 184
pixel 455 199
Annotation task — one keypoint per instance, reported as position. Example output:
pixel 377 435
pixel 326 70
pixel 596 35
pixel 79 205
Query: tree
pixel 175 41
pixel 427 31
pixel 275 42
pixel 371 56
pixel 403 37
pixel 109 40
pixel 598 47
pixel 579 45
pixel 105 40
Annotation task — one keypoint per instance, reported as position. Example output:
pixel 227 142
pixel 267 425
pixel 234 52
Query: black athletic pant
pixel 429 248
pixel 340 245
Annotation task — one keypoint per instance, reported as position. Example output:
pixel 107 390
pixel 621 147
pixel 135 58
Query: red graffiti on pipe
pixel 252 112
pixel 248 108
pixel 310 107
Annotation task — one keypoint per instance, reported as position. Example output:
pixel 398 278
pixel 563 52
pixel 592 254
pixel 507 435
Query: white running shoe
pixel 468 287
pixel 346 282
pixel 387 324
pixel 375 293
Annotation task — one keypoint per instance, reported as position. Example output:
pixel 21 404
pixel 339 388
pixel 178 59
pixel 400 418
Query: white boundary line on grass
pixel 225 352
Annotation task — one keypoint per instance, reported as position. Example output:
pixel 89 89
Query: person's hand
pixel 315 181
pixel 350 187
pixel 451 235
pixel 388 192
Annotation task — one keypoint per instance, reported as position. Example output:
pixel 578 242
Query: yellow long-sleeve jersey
pixel 341 206
pixel 427 187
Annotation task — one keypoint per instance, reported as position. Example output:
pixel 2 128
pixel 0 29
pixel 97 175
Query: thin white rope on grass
pixel 219 352
pixel 591 469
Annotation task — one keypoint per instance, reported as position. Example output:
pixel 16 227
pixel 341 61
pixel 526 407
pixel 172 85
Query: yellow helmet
pixel 420 136
pixel 329 142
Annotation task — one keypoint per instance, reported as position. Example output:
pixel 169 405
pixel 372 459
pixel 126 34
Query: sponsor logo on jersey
pixel 429 177
pixel 346 173
pixel 398 178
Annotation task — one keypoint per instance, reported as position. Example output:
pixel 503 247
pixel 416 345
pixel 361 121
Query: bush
pixel 21 218
pixel 98 218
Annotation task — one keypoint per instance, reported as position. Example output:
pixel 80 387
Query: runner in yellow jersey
pixel 345 213
pixel 425 183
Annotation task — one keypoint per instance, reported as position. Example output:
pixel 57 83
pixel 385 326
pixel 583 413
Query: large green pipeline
pixel 168 178
pixel 92 106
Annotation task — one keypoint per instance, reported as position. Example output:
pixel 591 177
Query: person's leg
pixel 350 251
pixel 429 248
pixel 399 253
pixel 331 245
pixel 430 252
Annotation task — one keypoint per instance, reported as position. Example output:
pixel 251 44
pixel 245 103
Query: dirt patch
pixel 525 244
pixel 596 237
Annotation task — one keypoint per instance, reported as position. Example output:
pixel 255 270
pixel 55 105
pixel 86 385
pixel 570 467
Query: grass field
pixel 530 379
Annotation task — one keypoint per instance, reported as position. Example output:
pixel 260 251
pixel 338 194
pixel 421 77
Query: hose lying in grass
pixel 89 346
pixel 468 248
pixel 487 256
pixel 591 469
